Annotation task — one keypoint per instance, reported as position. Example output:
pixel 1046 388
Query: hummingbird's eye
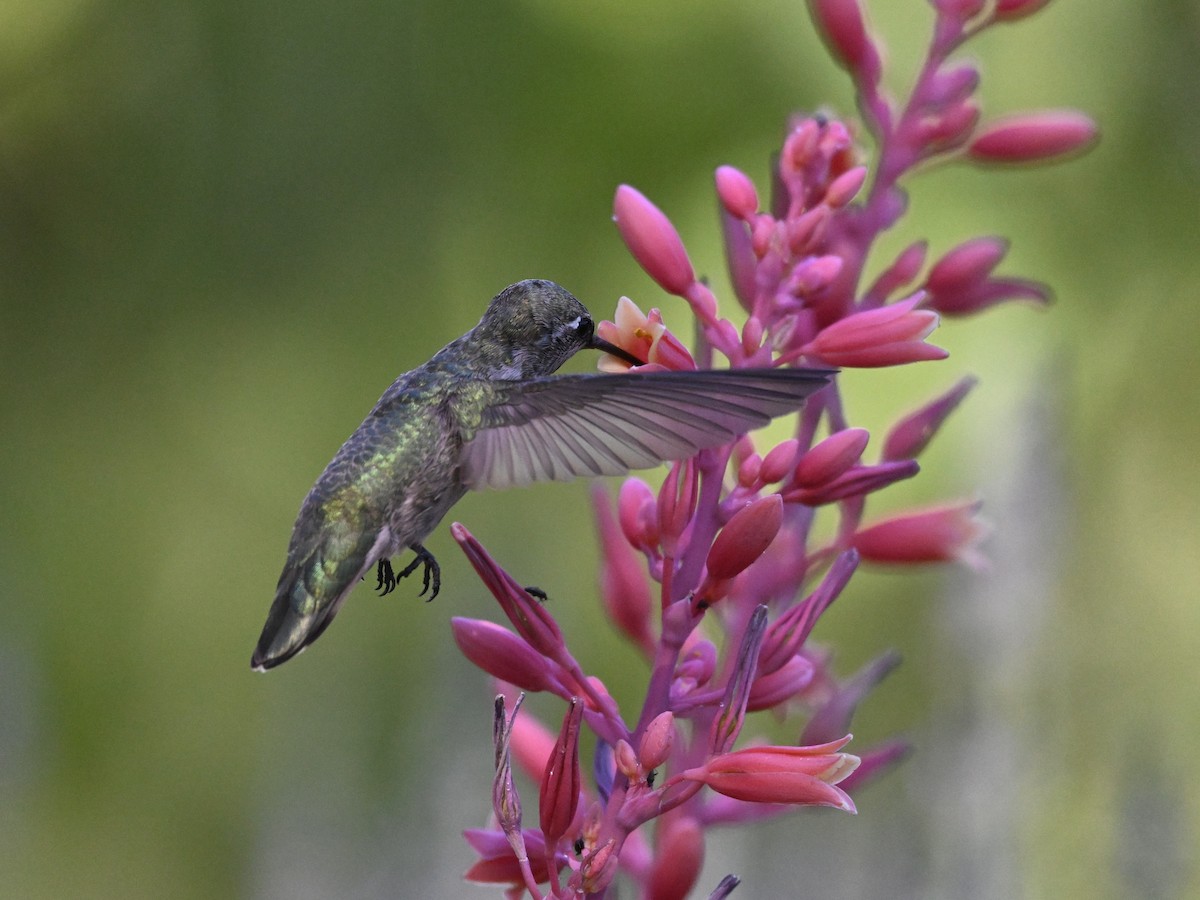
pixel 585 327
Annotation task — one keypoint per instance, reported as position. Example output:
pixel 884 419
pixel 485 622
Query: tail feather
pixel 309 594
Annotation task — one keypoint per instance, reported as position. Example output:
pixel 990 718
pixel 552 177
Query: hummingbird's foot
pixel 387 578
pixel 537 592
pixel 424 557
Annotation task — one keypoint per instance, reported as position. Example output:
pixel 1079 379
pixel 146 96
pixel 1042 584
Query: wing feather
pixel 561 427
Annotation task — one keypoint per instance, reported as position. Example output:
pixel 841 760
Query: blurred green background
pixel 225 227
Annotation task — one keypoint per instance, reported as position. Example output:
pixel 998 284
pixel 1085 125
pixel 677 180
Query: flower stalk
pixel 727 541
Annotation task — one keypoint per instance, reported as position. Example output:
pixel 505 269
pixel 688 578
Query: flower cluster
pixel 717 576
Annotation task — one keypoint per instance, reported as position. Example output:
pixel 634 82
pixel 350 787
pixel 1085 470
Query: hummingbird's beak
pixel 605 347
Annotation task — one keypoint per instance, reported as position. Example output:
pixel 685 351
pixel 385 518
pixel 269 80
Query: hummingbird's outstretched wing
pixel 560 427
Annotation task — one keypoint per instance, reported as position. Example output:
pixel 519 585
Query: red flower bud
pixel 559 795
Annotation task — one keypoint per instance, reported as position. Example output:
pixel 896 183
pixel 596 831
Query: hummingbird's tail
pixel 310 592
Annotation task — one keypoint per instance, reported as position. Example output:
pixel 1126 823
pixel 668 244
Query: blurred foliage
pixel 225 227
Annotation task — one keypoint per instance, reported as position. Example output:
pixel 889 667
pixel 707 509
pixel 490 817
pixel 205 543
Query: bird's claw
pixel 424 557
pixel 388 578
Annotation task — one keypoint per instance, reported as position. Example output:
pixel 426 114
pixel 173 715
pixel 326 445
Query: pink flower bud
pixel 814 274
pixel 969 262
pixel 637 511
pixel 831 457
pixel 1032 137
pixel 752 335
pixel 845 187
pixel 697 663
pixel 502 654
pixel 901 272
pixel 762 235
pixel 652 240
pixel 626 761
pixel 678 860
pixel 776 687
pixel 745 537
pixel 559 794
pixel 748 471
pixel 952 84
pixel 951 127
pixel 841 25
pixel 807 229
pixel 936 534
pixel 889 336
pixel 912 434
pixel 1011 10
pixel 737 192
pixel 779 461
pixel 801 775
pixel 657 741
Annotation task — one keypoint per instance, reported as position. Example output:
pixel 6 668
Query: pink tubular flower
pixel 937 534
pixel 527 615
pixel 1033 137
pixel 645 336
pixel 889 336
pixel 498 864
pixel 652 240
pixel 801 775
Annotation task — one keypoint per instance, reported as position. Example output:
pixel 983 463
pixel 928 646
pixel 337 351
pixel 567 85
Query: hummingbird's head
pixel 540 325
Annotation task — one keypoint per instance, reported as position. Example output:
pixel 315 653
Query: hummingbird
pixel 486 411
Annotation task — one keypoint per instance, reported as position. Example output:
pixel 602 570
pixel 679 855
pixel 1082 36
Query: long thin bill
pixel 605 347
